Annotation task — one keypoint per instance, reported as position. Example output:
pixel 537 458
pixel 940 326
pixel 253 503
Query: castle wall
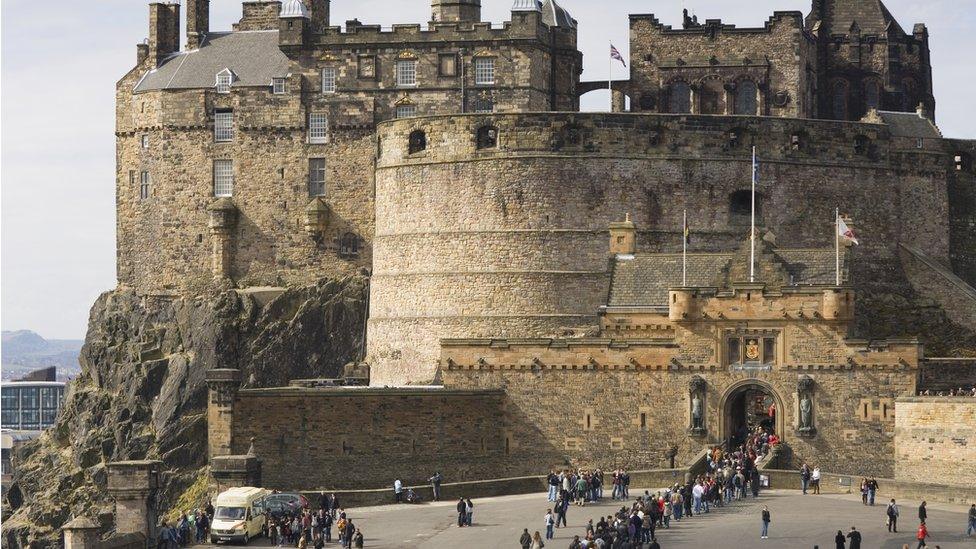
pixel 934 440
pixel 318 439
pixel 852 406
pixel 512 240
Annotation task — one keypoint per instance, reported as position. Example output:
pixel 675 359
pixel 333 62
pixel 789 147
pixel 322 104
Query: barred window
pixel 349 245
pixel 278 86
pixel 484 105
pixel 406 73
pixel 318 126
pixel 223 126
pixel 406 111
pixel 145 141
pixel 328 80
pixel 224 80
pixel 484 71
pixel 316 177
pixel 223 177
pixel 144 183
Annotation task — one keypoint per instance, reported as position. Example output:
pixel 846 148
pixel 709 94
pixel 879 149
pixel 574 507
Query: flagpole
pixel 610 79
pixel 684 252
pixel 752 232
pixel 837 240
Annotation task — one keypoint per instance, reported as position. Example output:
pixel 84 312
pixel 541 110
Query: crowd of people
pixel 960 392
pixel 304 528
pixel 191 527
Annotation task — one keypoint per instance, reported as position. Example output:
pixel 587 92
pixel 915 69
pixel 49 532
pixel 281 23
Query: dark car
pixel 277 505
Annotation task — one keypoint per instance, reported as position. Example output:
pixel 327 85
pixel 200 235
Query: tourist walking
pixel 550 524
pixel 892 513
pixel 462 512
pixel 435 484
pixel 397 490
pixel 972 520
pixel 922 513
pixel 805 475
pixel 553 481
pixel 765 522
pixel 537 542
pixel 840 542
pixel 922 533
pixel 815 479
pixel 872 490
pixel 855 538
pixel 526 540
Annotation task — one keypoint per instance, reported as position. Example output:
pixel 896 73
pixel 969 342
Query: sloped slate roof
pixel 646 279
pixel 909 124
pixel 253 56
pixel 555 15
pixel 872 16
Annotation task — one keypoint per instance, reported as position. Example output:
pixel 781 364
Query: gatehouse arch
pixel 746 403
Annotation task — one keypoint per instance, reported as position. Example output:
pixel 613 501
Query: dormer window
pixel 224 79
pixel 278 86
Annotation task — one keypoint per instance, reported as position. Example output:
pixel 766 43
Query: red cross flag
pixel 846 232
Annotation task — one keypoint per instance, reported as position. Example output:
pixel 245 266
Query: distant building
pixel 32 402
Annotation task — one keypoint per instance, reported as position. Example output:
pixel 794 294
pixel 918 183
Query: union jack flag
pixel 615 54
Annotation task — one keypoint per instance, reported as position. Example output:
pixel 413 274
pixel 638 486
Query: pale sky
pixel 61 59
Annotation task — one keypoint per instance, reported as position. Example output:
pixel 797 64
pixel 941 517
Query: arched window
pixel 652 208
pixel 839 100
pixel 872 95
pixel 740 206
pixel 746 101
pixel 711 97
pixel 680 98
pixel 349 245
pixel 487 137
pixel 418 141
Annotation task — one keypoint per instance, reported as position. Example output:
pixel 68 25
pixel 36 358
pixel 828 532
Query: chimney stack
pixel 164 31
pixel 454 11
pixel 197 22
pixel 318 12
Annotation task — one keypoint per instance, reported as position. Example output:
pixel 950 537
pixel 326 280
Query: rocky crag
pixel 142 392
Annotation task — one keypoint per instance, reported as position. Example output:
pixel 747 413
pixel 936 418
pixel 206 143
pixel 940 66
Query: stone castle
pixel 520 252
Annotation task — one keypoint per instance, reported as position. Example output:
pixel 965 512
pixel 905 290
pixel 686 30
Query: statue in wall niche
pixel 696 390
pixel 804 389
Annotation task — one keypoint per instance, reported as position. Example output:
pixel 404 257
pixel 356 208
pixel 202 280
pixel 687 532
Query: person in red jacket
pixel 923 533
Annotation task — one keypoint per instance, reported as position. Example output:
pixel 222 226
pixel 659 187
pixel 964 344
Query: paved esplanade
pixel 798 521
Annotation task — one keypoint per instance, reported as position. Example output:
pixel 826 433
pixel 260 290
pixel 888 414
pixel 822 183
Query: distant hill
pixel 23 351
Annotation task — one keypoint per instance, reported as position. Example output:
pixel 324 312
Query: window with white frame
pixel 223 126
pixel 406 111
pixel 145 141
pixel 329 80
pixel 278 86
pixel 406 73
pixel 224 80
pixel 318 126
pixel 316 177
pixel 223 176
pixel 484 71
pixel 144 185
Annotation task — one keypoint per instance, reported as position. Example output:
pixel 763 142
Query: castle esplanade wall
pixel 511 240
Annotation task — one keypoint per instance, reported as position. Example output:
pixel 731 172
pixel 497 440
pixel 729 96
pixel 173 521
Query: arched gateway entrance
pixel 749 404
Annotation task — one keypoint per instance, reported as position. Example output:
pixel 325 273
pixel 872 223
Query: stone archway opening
pixel 749 406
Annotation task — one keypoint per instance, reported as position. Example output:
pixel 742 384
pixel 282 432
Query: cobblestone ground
pixel 798 522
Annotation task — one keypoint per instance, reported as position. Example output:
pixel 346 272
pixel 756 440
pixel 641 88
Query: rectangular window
pixel 406 111
pixel 316 177
pixel 769 350
pixel 734 354
pixel 318 126
pixel 144 183
pixel 223 82
pixel 484 71
pixel 145 141
pixel 49 397
pixel 447 65
pixel 278 86
pixel 329 80
pixel 223 126
pixel 132 178
pixel 484 105
pixel 406 73
pixel 223 176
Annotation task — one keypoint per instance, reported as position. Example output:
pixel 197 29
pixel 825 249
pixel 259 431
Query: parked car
pixel 280 504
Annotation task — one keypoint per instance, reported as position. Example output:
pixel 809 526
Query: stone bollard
pixel 81 533
pixel 134 484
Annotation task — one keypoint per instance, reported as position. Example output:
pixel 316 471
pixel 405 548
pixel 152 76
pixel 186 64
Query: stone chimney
pixel 623 237
pixel 197 22
pixel 318 12
pixel 453 11
pixel 164 31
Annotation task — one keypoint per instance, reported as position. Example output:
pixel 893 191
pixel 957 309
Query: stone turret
pixel 623 237
pixel 134 484
pixel 448 11
pixel 223 385
pixel 223 219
